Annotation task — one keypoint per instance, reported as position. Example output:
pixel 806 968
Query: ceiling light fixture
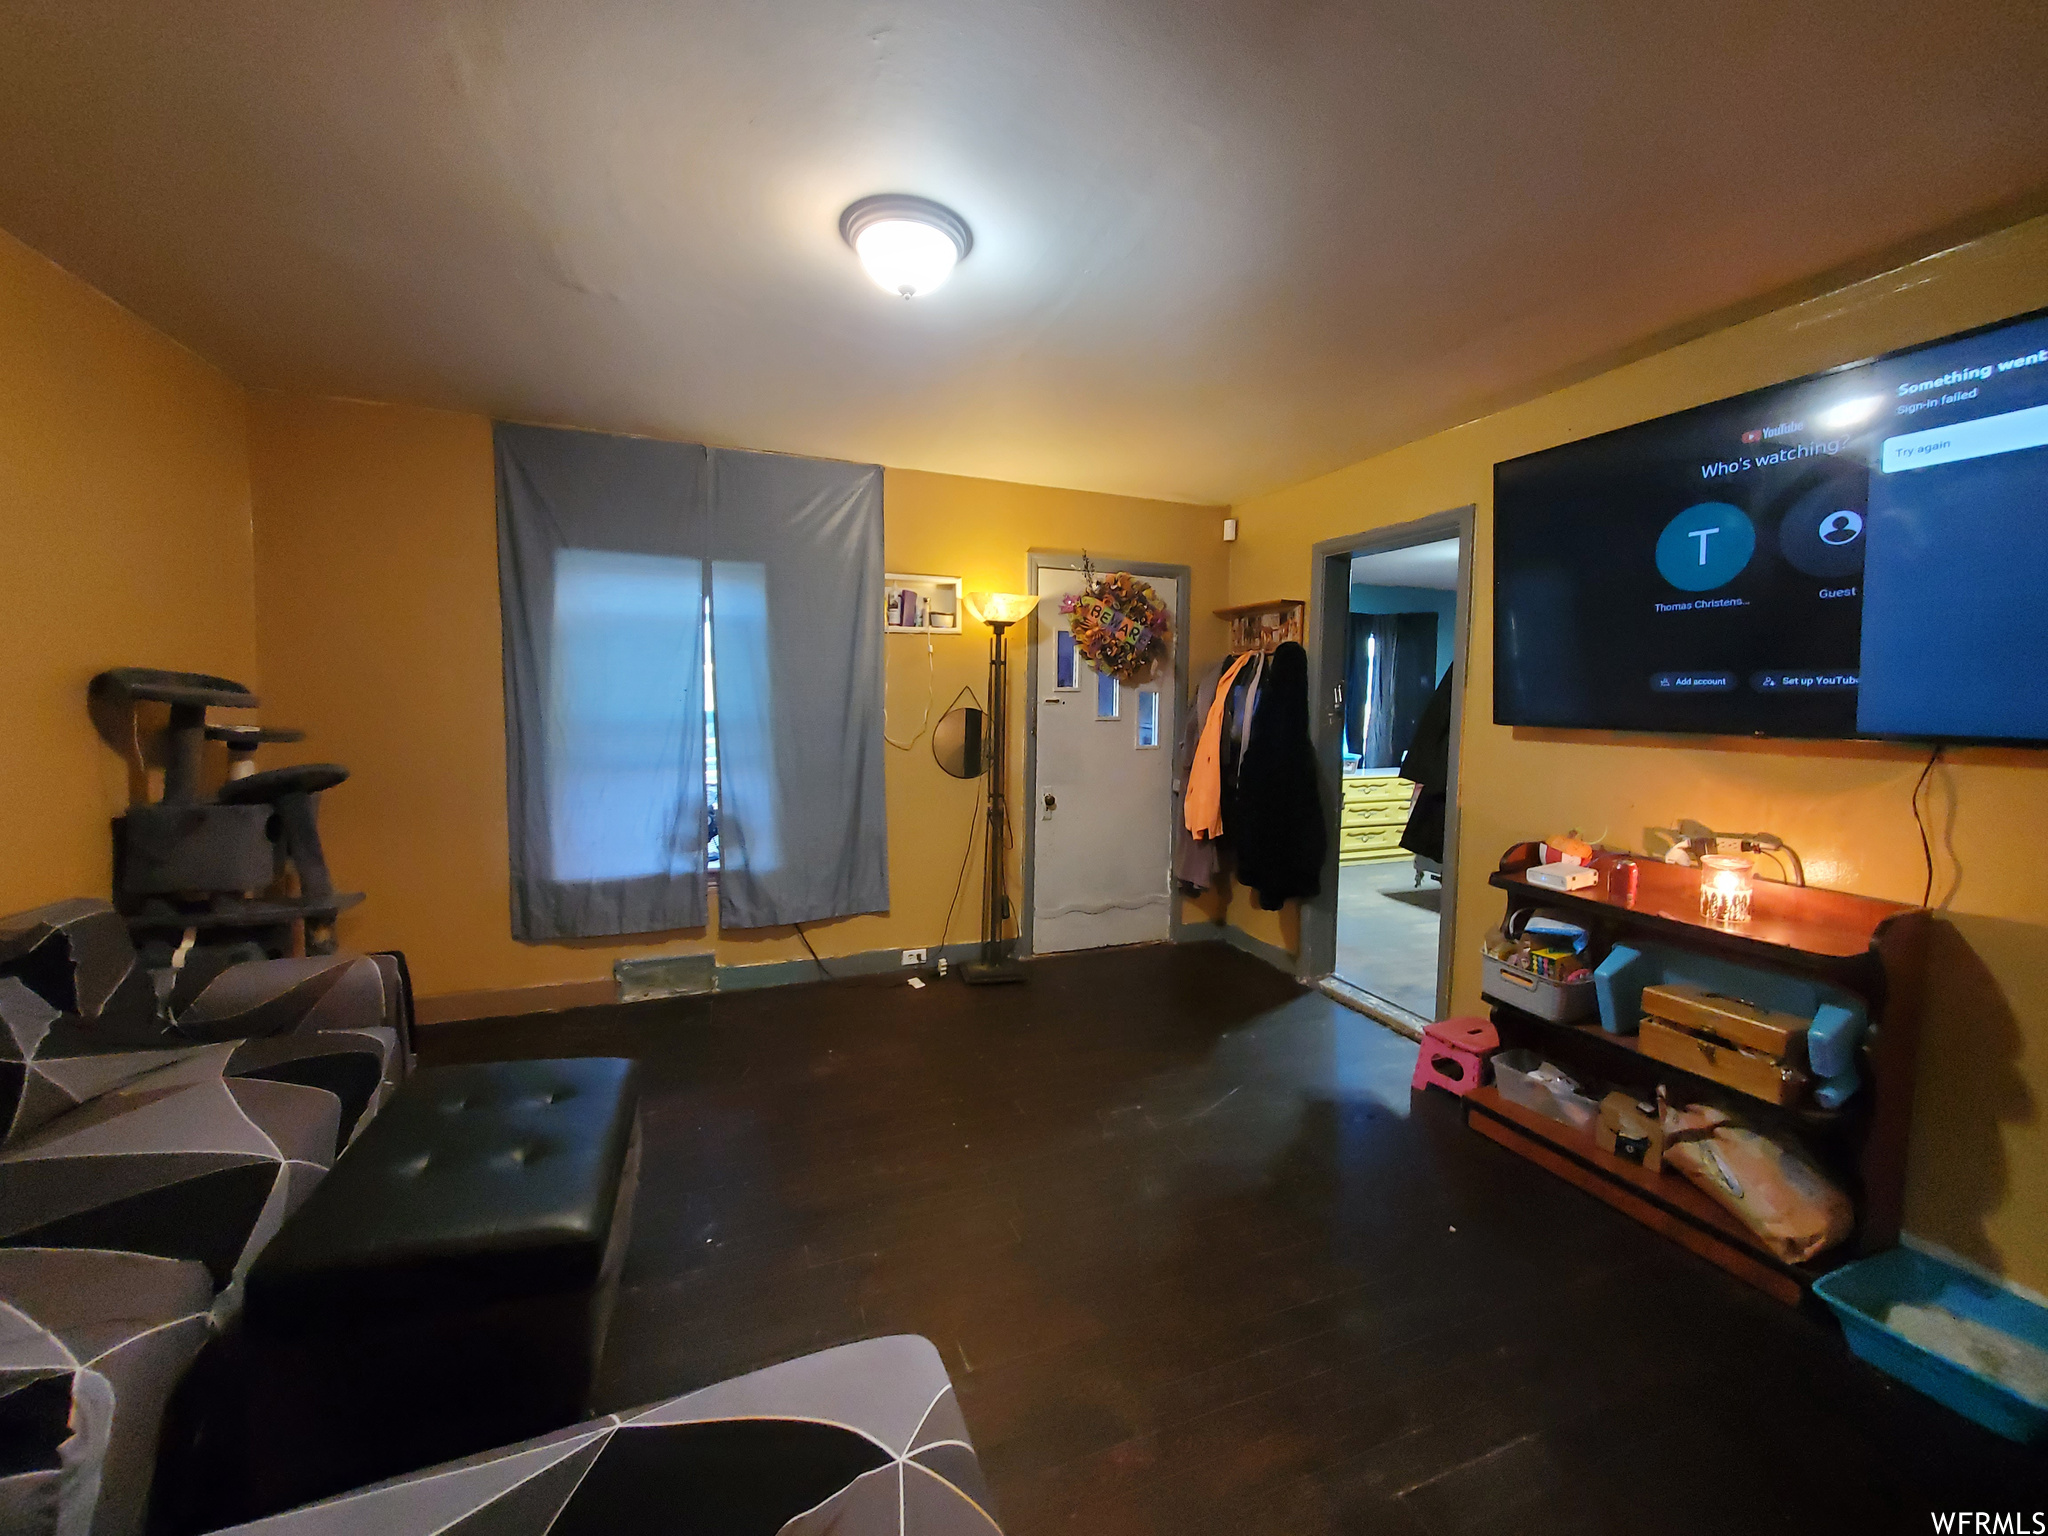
pixel 909 245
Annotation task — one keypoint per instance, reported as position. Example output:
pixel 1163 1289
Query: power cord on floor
pixel 814 954
pixel 1919 821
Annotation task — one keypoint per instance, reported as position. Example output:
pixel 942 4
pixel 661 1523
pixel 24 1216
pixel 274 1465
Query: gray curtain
pixel 796 622
pixel 1380 747
pixel 602 547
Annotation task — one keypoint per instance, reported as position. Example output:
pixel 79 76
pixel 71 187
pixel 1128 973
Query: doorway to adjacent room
pixel 1388 646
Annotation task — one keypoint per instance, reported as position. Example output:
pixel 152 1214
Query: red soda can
pixel 1621 880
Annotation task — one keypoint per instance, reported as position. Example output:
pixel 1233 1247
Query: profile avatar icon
pixel 1821 522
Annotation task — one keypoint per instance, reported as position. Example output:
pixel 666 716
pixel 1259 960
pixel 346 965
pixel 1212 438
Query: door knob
pixel 1050 805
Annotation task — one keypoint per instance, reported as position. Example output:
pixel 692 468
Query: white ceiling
pixel 1419 565
pixel 1220 245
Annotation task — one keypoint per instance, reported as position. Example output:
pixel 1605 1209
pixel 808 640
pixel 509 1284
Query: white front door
pixel 1103 852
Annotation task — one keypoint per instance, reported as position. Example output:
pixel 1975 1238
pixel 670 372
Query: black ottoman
pixel 446 1287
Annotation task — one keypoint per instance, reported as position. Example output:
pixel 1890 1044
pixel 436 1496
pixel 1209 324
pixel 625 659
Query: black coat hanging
pixel 1280 832
pixel 1427 763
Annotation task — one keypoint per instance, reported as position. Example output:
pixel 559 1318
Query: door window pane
pixel 1108 697
pixel 1148 717
pixel 1068 668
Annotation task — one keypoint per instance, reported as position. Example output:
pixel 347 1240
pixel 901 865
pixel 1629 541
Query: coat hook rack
pixel 1265 626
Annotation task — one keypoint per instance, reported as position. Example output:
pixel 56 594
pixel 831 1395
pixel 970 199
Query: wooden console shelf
pixel 1867 947
pixel 1664 1201
pixel 1799 925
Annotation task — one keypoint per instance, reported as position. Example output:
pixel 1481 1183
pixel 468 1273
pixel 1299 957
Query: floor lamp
pixel 998 610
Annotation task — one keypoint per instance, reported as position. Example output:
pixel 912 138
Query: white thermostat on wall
pixel 1230 530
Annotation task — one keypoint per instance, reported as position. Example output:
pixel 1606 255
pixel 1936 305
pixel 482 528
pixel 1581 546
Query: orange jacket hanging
pixel 1202 805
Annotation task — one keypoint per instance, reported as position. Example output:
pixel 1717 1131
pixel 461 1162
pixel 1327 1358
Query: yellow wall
pixel 128 472
pixel 377 616
pixel 1979 1171
pixel 124 493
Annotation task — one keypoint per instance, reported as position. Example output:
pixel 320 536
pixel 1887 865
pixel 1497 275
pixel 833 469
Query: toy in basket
pixel 1536 961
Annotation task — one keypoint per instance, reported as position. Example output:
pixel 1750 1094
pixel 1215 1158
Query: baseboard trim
pixel 866 962
pixel 1237 938
pixel 504 1002
pixel 556 996
pixel 1258 949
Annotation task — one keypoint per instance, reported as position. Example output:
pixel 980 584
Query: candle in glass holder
pixel 1724 888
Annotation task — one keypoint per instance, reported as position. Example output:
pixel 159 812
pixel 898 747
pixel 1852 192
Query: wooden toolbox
pixel 1782 1035
pixel 1747 1048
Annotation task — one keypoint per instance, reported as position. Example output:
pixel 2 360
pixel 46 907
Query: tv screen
pixel 1860 553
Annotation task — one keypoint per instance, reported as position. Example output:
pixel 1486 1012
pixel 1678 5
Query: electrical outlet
pixel 913 957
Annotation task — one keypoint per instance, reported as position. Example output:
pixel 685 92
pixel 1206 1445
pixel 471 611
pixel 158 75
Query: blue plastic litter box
pixel 1861 1292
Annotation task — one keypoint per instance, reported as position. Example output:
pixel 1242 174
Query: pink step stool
pixel 1453 1055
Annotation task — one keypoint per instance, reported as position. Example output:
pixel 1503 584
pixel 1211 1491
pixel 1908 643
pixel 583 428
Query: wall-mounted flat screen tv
pixel 1859 553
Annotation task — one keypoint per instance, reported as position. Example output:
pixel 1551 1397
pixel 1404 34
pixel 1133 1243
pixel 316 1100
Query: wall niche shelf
pixel 932 604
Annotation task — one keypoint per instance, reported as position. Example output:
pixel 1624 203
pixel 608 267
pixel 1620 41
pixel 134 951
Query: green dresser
pixel 1375 811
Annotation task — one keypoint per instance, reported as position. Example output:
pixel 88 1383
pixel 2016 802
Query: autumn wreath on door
pixel 1120 625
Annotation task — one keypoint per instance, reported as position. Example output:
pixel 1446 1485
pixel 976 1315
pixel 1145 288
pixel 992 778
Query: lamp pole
pixel 996 964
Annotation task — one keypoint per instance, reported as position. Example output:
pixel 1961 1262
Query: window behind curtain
pixel 710 748
pixel 603 546
pixel 745 705
pixel 625 642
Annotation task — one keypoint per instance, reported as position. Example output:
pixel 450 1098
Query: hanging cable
pixel 930 664
pixel 966 858
pixel 814 954
pixel 1786 857
pixel 1926 847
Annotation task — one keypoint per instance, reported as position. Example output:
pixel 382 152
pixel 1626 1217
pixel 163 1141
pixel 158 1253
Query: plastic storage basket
pixel 1511 1075
pixel 1861 1293
pixel 1561 1002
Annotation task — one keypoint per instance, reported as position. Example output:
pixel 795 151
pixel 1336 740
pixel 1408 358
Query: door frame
pixel 1330 593
pixel 1182 577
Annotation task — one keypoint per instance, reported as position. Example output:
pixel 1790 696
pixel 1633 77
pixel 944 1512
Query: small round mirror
pixel 957 741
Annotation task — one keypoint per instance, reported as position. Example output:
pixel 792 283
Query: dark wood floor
pixel 1198 1263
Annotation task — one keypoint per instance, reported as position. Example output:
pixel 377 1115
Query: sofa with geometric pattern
pixel 156 1130
pixel 863 1440
pixel 150 1145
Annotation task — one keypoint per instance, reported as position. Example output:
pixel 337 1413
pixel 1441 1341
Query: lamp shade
pixel 1001 607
